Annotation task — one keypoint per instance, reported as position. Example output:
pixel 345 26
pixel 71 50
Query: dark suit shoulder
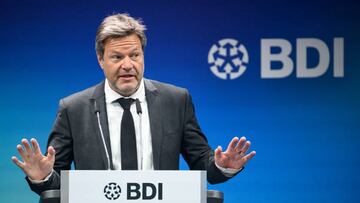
pixel 83 97
pixel 166 88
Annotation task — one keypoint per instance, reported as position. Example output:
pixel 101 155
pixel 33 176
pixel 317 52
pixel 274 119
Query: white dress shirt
pixel 141 122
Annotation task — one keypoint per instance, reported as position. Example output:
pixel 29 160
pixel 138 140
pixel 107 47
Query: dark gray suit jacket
pixel 174 131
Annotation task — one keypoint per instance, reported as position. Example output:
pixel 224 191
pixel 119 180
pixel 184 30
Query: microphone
pixel 97 112
pixel 139 112
pixel 96 108
pixel 138 106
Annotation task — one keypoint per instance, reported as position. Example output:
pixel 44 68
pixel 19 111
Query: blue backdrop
pixel 306 131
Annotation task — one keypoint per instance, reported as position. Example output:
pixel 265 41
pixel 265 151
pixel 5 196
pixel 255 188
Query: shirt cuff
pixel 228 172
pixel 41 181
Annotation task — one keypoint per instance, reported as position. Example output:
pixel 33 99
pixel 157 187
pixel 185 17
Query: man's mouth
pixel 126 76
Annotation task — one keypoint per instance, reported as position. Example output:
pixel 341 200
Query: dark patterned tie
pixel 128 139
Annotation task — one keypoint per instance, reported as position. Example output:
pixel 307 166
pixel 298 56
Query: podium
pixel 133 186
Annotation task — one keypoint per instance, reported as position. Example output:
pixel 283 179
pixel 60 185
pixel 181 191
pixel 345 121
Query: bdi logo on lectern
pixel 228 58
pixel 135 191
pixel 144 191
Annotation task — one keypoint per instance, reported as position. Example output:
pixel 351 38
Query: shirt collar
pixel 111 95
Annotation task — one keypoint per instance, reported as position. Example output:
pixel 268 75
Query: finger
pixel 232 144
pixel 22 152
pixel 240 144
pixel 35 146
pixel 249 156
pixel 246 147
pixel 17 162
pixel 26 144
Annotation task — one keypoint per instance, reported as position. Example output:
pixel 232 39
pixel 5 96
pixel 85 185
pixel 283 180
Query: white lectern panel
pixel 91 186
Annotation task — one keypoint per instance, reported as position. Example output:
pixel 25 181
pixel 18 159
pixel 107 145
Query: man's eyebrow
pixel 135 49
pixel 131 50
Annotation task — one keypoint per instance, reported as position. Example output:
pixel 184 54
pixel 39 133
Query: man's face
pixel 123 63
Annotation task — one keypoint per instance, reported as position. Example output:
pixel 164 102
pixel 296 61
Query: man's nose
pixel 126 64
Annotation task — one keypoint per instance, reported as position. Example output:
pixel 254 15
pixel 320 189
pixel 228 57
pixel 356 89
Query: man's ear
pixel 100 60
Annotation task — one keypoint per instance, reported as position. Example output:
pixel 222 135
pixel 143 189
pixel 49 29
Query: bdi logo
pixel 135 191
pixel 145 191
pixel 228 61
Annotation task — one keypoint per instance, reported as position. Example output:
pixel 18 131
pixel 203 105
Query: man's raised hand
pixel 235 156
pixel 34 164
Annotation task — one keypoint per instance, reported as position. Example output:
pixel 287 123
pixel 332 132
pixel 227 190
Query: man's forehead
pixel 123 44
pixel 127 40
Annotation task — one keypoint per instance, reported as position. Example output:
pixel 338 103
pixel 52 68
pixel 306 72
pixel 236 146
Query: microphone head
pixel 138 106
pixel 96 107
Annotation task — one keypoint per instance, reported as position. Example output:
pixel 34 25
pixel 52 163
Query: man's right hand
pixel 35 165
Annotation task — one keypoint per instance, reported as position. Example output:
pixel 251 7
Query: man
pixel 127 122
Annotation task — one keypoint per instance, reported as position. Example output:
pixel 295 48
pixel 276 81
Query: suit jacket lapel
pixel 155 117
pixel 99 97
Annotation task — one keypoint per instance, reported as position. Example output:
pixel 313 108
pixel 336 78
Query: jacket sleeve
pixel 60 138
pixel 195 148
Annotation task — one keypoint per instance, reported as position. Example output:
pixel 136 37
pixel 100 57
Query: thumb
pixel 218 151
pixel 51 153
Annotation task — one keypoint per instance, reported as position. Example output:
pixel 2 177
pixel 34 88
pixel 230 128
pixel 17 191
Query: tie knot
pixel 125 103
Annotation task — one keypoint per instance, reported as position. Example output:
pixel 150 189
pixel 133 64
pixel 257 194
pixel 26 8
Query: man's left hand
pixel 235 156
